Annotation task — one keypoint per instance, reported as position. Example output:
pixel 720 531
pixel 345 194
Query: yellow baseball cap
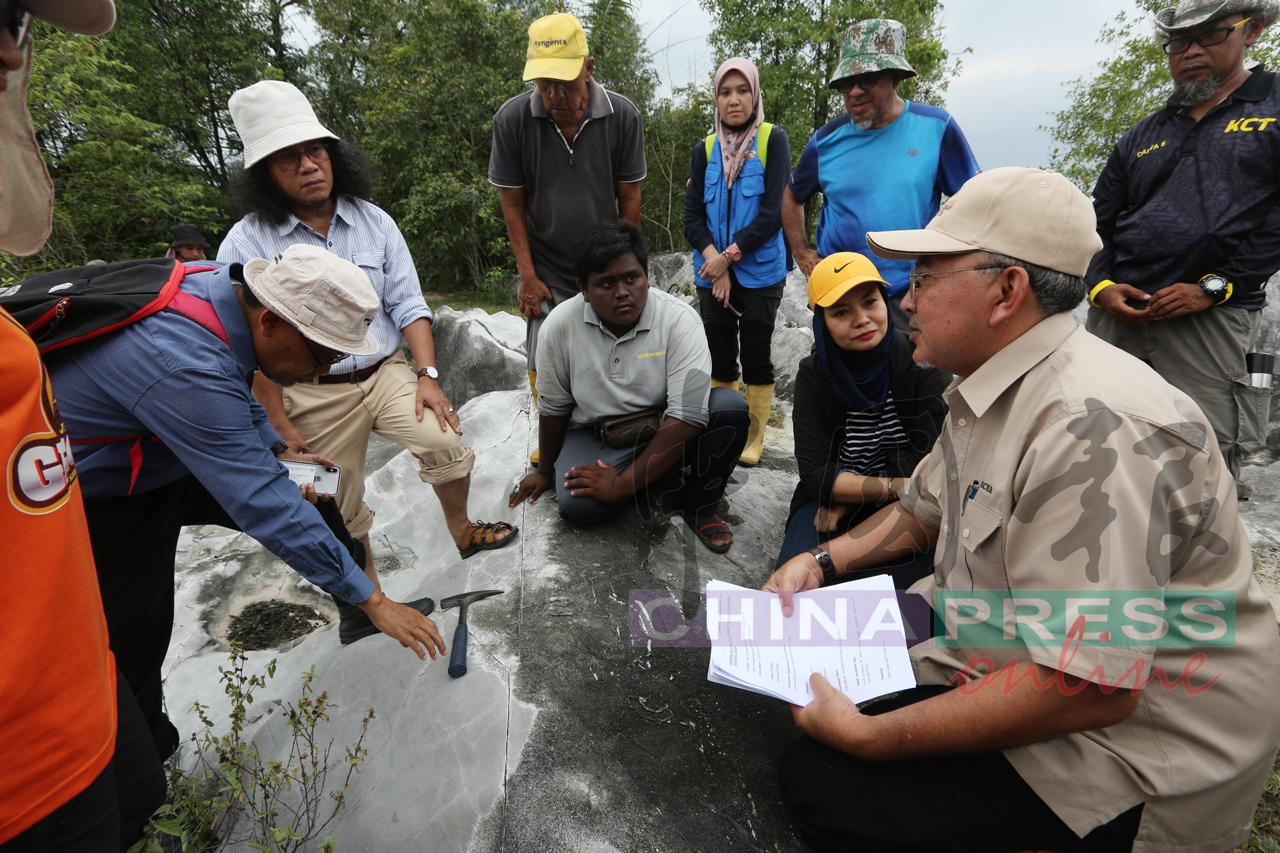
pixel 557 48
pixel 835 275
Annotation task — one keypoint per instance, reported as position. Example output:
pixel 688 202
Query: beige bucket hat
pixel 1193 13
pixel 328 299
pixel 1030 214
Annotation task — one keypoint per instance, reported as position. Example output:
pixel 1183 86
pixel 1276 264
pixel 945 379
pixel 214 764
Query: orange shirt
pixel 57 675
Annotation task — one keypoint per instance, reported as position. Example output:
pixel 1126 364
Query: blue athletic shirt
pixel 888 179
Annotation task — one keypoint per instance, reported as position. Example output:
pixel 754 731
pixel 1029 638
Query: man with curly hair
pixel 302 184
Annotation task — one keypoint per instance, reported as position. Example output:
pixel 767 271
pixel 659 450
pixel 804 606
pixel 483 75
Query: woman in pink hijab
pixel 733 221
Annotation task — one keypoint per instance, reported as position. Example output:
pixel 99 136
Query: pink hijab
pixel 736 145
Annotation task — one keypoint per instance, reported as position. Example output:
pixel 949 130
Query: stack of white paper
pixel 856 641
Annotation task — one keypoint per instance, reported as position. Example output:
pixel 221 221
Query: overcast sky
pixel 1023 53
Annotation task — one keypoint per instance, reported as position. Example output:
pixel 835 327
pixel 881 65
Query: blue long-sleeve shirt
pixel 179 400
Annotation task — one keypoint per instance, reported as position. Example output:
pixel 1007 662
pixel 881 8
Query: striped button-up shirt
pixel 361 233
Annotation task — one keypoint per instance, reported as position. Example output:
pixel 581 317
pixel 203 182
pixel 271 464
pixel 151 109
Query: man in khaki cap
pixel 167 433
pixel 1085 524
pixel 1188 210
pixel 566 157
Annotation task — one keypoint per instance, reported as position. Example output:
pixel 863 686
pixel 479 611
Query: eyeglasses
pixel 19 22
pixel 1182 44
pixel 322 360
pixel 289 161
pixel 864 82
pixel 919 275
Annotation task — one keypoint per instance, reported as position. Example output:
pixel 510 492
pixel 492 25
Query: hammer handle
pixel 458 657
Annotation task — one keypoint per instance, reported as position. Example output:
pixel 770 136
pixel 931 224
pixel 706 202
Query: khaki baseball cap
pixel 1033 215
pixel 557 48
pixel 328 299
pixel 835 275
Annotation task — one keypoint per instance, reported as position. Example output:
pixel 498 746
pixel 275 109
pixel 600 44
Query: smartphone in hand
pixel 325 478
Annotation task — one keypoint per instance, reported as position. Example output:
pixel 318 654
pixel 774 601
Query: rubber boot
pixel 717 383
pixel 759 402
pixel 533 389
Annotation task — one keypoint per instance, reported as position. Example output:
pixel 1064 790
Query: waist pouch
pixel 626 431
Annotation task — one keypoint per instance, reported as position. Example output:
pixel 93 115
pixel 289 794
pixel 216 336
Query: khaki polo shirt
pixel 584 371
pixel 1066 464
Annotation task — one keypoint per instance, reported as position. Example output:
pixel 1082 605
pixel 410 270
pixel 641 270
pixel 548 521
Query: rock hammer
pixel 458 657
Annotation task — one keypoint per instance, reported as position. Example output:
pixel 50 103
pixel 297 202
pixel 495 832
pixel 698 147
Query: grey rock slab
pixel 672 273
pixel 478 352
pixel 563 735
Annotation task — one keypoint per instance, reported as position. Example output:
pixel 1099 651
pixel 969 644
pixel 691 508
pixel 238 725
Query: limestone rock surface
pixel 563 735
pixel 478 352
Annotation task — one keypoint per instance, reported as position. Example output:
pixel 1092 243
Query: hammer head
pixel 462 599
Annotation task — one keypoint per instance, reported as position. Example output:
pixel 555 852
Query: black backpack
pixel 65 307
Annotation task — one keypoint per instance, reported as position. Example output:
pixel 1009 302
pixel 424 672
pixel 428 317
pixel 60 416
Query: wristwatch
pixel 824 563
pixel 429 372
pixel 1217 287
pixel 278 448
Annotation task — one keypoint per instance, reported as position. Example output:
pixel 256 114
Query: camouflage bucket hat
pixel 1193 13
pixel 874 45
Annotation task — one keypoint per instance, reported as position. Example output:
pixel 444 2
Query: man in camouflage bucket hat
pixel 882 165
pixel 1188 209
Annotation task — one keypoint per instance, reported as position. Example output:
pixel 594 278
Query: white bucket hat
pixel 326 298
pixel 271 115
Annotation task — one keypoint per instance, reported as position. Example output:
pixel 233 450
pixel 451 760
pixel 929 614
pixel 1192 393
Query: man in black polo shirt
pixel 1188 210
pixel 566 157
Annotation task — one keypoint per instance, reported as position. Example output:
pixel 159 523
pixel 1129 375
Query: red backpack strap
pixel 199 310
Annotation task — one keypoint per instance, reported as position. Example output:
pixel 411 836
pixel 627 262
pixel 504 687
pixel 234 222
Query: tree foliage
pixel 120 180
pixel 1131 84
pixel 138 136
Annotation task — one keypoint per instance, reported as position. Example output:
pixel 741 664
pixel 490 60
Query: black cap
pixel 186 235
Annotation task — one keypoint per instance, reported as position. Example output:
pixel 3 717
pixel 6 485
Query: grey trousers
pixel 1202 354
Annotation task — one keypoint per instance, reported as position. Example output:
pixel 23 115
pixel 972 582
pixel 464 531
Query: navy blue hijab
pixel 860 379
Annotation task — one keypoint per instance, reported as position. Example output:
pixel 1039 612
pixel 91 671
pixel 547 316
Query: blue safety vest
pixel 768 263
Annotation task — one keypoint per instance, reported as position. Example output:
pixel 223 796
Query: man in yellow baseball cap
pixel 557 48
pixel 566 157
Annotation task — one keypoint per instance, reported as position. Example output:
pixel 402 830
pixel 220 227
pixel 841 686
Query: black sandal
pixel 707 526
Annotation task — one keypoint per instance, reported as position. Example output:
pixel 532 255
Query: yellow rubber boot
pixel 533 389
pixel 759 402
pixel 716 383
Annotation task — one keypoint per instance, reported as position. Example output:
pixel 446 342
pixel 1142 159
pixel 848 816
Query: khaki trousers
pixel 1202 354
pixel 336 421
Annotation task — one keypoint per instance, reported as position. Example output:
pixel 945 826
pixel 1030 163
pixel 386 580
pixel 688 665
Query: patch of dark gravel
pixel 267 624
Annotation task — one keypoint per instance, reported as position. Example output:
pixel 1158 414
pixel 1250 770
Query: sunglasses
pixel 865 82
pixel 1182 44
pixel 913 284
pixel 18 21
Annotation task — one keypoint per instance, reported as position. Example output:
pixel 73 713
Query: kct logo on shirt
pixel 1247 124
pixel 41 470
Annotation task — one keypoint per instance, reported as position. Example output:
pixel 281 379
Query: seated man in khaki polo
pixel 301 184
pixel 1088 545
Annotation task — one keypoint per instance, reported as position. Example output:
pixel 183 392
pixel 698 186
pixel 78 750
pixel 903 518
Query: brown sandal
pixel 483 536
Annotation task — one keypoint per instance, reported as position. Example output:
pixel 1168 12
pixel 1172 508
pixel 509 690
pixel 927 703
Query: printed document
pixel 852 633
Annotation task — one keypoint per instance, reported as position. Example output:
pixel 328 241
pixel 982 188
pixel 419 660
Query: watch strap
pixel 278 448
pixel 825 563
pixel 1226 293
pixel 1098 288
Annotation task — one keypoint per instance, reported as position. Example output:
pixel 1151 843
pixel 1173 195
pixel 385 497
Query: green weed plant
pixel 232 796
